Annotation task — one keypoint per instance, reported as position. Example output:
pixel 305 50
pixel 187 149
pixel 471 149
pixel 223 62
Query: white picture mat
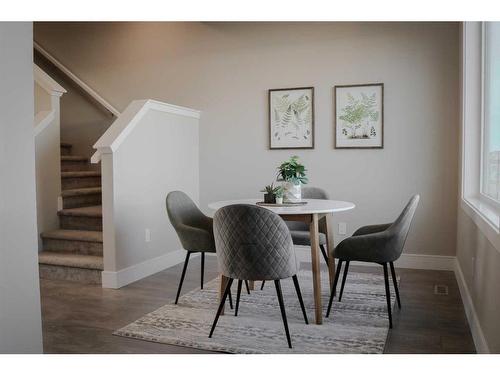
pixel 287 135
pixel 341 100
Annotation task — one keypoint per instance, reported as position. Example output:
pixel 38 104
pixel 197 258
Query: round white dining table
pixel 317 213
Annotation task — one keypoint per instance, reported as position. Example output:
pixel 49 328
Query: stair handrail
pixel 86 88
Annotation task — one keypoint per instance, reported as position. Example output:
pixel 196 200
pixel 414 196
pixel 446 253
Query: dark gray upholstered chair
pixel 382 244
pixel 254 243
pixel 194 229
pixel 300 230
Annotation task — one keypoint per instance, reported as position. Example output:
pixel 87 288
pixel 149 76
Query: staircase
pixel 74 251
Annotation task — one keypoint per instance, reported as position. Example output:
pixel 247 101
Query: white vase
pixel 292 193
pixel 279 200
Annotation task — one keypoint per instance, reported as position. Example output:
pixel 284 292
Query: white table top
pixel 313 206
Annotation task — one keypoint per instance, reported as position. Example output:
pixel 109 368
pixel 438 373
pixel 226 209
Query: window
pixel 480 187
pixel 490 186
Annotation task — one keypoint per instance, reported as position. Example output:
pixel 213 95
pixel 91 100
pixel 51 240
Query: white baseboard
pixel 414 261
pixel 475 327
pixel 117 279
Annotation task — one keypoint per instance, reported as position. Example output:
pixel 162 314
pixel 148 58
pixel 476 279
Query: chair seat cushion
pixel 302 237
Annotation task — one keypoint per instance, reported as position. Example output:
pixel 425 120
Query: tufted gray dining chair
pixel 382 244
pixel 254 243
pixel 194 229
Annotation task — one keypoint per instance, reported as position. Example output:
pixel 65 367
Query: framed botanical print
pixel 359 116
pixel 291 118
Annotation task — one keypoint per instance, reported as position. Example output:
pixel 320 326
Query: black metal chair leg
pixel 395 282
pixel 186 261
pixel 346 269
pixel 247 286
pixel 323 251
pixel 337 276
pixel 230 300
pixel 335 281
pixel 387 293
pixel 238 295
pixel 262 285
pixel 299 295
pixel 202 268
pixel 283 313
pixel 221 305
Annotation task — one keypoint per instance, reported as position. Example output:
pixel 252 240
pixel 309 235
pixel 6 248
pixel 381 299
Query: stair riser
pixel 80 222
pixel 65 151
pixel 87 276
pixel 82 201
pixel 81 247
pixel 73 166
pixel 80 182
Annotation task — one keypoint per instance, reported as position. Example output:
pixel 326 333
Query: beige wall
pixel 20 316
pixel 479 261
pixel 225 70
pixel 42 99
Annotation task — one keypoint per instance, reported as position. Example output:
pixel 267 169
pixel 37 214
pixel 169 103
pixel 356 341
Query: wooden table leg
pixel 222 287
pixel 331 249
pixel 314 233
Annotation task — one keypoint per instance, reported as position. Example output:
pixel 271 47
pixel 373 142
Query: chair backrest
pixel 398 231
pixel 307 193
pixel 314 193
pixel 182 210
pixel 253 243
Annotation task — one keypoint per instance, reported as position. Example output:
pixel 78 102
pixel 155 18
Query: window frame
pixel 484 196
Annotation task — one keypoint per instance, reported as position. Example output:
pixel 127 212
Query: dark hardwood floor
pixel 81 318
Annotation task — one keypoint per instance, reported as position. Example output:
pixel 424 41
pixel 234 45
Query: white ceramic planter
pixel 292 193
pixel 279 200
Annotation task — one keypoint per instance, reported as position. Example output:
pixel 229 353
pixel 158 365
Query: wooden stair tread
pixel 80 174
pixel 74 158
pixel 93 262
pixel 88 211
pixel 81 191
pixel 74 235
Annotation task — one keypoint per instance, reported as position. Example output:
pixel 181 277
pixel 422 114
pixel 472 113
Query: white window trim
pixel 482 210
pixel 488 200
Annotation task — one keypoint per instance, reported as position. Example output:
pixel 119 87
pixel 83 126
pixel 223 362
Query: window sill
pixel 485 216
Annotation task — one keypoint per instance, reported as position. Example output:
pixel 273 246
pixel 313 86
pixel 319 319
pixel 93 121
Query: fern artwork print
pixel 359 116
pixel 291 118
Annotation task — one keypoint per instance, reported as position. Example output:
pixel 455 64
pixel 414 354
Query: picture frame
pixel 291 118
pixel 359 116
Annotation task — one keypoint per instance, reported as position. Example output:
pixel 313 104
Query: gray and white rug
pixel 358 324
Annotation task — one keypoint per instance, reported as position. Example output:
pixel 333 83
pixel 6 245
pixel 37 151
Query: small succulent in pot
pixel 270 193
pixel 279 195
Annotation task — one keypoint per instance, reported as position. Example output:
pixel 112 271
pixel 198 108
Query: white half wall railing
pixel 150 150
pixel 47 95
pixel 86 88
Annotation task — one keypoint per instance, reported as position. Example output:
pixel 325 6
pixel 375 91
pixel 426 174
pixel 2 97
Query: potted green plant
pixel 294 175
pixel 270 191
pixel 279 195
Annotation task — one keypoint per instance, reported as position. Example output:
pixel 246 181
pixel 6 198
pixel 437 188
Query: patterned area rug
pixel 358 324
